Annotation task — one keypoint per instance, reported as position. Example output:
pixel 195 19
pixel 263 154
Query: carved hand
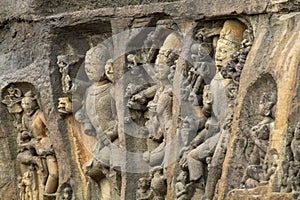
pixel 139 97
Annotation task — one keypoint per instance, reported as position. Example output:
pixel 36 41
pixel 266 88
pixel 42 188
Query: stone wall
pixel 149 99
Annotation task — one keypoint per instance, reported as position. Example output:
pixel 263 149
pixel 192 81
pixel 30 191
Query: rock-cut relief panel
pixel 36 160
pixel 207 98
pixel 150 103
pixel 211 86
pixel 253 160
pixel 291 164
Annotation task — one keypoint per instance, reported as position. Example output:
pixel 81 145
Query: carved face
pixel 223 53
pixel 28 104
pixel 91 70
pixel 95 60
pixel 161 71
pixel 109 72
pixel 143 183
pixel 64 105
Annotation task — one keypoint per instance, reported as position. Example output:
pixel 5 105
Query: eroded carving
pixel 291 166
pixel 144 192
pixel 160 120
pixel 98 116
pixel 260 134
pixel 204 156
pixel 35 151
pixel 13 103
pixel 158 183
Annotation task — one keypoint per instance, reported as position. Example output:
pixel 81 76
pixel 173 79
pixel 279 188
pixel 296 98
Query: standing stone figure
pixel 98 111
pixel 34 127
pixel 211 142
pixel 257 170
pixel 162 102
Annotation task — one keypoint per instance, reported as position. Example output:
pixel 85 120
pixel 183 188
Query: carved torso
pixel 99 106
pixel 35 123
pixel 163 100
pixel 220 100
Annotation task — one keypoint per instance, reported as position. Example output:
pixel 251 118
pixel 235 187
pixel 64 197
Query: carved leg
pixel 212 180
pixel 195 166
pixel 215 170
pixel 52 181
pixel 44 169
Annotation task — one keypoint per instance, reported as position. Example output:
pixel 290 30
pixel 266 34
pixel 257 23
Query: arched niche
pixel 248 118
pixel 7 118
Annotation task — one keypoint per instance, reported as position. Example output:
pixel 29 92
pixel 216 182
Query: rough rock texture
pixel 162 121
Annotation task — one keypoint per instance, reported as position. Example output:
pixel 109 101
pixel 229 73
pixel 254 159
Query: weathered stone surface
pixel 133 108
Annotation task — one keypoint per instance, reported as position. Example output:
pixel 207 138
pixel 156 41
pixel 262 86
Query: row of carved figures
pixel 208 87
pixel 208 91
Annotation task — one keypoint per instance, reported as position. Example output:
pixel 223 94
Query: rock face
pixel 149 100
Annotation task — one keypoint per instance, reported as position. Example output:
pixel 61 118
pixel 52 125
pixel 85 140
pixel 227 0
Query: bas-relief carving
pixel 13 103
pixel 207 88
pixel 291 165
pixel 259 168
pixel 36 156
pixel 161 105
pixel 71 87
pixel 197 89
pixel 144 192
pixel 65 192
pixel 203 158
pixel 97 115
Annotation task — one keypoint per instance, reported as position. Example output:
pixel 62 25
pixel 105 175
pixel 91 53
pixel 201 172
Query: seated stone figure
pixel 259 175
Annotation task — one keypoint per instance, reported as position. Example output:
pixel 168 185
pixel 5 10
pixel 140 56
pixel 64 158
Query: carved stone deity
pixel 98 111
pixel 34 140
pixel 161 105
pixel 210 142
pixel 260 137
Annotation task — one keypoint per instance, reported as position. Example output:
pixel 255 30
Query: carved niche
pixel 253 159
pixel 36 160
